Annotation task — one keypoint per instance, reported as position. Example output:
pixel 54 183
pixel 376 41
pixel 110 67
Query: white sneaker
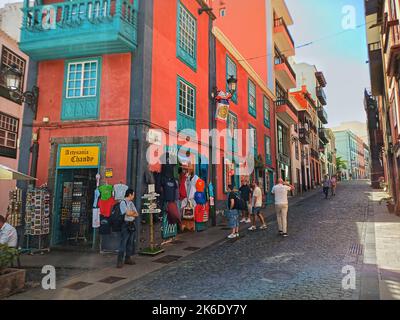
pixel 263 227
pixel 237 235
pixel 252 228
pixel 248 221
pixel 243 220
pixel 232 236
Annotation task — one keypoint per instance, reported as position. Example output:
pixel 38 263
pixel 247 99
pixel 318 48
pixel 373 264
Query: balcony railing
pixel 281 22
pixel 374 46
pixel 321 95
pixel 323 135
pixel 58 29
pixel 286 101
pixel 280 59
pixel 304 136
pixel 314 154
pixel 322 115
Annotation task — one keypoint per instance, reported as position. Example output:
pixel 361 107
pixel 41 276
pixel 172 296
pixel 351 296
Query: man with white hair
pixel 282 204
pixel 8 234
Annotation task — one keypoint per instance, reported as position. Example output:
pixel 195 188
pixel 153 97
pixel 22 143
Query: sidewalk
pixel 380 277
pixel 88 275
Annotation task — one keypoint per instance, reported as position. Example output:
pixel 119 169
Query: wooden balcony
pixel 283 38
pixel 284 72
pixel 286 111
pixel 79 28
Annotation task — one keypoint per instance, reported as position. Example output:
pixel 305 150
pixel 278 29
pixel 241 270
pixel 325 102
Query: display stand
pixel 74 210
pixel 37 220
pixel 150 202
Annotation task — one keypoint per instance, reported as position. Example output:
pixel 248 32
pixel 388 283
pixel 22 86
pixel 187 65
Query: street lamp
pixel 232 85
pixel 12 77
pixel 216 98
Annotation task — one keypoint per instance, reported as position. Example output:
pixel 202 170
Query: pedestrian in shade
pixel 126 248
pixel 326 184
pixel 333 185
pixel 233 212
pixel 245 193
pixel 282 204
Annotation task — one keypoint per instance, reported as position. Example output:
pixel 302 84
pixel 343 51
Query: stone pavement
pixel 87 272
pixel 327 240
pixel 381 269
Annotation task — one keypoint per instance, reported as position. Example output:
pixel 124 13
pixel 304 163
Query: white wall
pixel 11 19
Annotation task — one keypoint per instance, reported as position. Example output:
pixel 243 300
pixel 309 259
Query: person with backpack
pixel 257 205
pixel 128 229
pixel 245 193
pixel 233 212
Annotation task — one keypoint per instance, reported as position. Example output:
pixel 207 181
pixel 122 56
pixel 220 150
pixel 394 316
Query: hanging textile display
pixel 14 211
pixel 37 218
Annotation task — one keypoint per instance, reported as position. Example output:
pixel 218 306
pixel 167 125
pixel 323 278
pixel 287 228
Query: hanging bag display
pixel 200 197
pixel 116 218
pixel 188 213
pixel 199 212
pixel 200 185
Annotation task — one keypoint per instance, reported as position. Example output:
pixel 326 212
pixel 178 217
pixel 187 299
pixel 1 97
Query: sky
pixel 340 53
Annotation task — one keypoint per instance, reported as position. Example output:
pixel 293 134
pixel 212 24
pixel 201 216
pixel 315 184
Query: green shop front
pixel 75 184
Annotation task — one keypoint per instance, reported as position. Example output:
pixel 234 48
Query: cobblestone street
pixel 324 236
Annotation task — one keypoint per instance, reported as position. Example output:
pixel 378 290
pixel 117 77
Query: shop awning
pixel 7 173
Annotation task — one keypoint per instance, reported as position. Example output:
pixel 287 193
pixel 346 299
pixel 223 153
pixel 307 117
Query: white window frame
pixel 82 79
pixel 185 97
pixel 187 31
pixel 10 127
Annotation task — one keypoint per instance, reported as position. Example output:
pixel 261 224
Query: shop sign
pixel 222 111
pixel 109 173
pixel 78 156
pixel 151 210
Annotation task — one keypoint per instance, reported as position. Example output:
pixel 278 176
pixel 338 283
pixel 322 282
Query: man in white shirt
pixel 282 204
pixel 8 234
pixel 257 201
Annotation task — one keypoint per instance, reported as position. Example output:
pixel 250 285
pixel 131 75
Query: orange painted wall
pixel 167 67
pixel 241 110
pixel 114 105
pixel 250 38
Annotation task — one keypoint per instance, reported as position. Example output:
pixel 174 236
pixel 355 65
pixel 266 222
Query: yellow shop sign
pixel 79 156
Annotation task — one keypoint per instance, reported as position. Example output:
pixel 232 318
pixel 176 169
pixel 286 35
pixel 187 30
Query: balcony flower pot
pixel 11 281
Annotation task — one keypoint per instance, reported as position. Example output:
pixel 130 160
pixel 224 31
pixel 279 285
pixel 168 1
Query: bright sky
pixel 342 57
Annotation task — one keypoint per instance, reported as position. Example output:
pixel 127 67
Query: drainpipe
pixel 212 121
pixel 35 156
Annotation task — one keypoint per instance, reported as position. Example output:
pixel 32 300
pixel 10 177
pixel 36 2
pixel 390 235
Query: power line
pixel 312 42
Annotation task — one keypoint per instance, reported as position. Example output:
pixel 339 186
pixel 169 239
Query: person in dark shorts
pixel 245 193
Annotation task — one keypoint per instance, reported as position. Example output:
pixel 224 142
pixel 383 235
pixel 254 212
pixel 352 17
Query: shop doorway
pixel 74 196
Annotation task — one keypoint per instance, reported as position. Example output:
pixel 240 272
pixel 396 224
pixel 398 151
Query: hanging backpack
pixel 240 204
pixel 200 197
pixel 116 219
